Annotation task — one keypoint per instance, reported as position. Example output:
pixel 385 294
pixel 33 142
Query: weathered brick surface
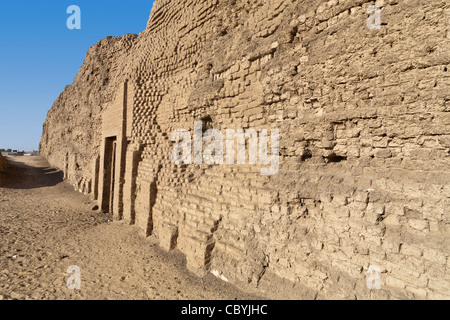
pixel 2 163
pixel 364 141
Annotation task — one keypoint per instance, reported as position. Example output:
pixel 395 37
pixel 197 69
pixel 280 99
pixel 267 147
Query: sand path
pixel 46 226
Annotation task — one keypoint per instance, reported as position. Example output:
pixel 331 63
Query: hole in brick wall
pixel 445 69
pixel 292 34
pixel 430 49
pixel 335 158
pixel 208 68
pixel 223 32
pixel 207 123
pixel 307 154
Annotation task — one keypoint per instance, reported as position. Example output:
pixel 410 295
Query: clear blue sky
pixel 39 56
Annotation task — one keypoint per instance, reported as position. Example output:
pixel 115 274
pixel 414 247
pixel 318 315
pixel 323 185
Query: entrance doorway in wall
pixel 109 166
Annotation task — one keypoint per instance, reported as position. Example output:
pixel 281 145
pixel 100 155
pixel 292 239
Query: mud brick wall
pixel 364 142
pixel 72 132
pixel 2 163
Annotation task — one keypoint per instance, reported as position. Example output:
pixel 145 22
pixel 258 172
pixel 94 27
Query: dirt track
pixel 46 226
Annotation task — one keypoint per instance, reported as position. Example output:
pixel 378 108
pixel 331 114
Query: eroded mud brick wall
pixel 72 132
pixel 2 163
pixel 364 141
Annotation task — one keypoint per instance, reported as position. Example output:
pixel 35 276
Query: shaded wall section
pixel 2 163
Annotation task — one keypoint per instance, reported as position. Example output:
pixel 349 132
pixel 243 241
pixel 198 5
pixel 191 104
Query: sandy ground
pixel 46 226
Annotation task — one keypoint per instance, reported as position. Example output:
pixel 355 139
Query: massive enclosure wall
pixel 2 163
pixel 71 132
pixel 364 126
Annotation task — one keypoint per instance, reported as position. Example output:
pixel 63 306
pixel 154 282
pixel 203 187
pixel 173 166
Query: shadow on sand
pixel 18 175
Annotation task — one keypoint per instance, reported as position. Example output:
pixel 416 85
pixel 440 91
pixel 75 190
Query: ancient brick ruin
pixel 364 120
pixel 2 162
